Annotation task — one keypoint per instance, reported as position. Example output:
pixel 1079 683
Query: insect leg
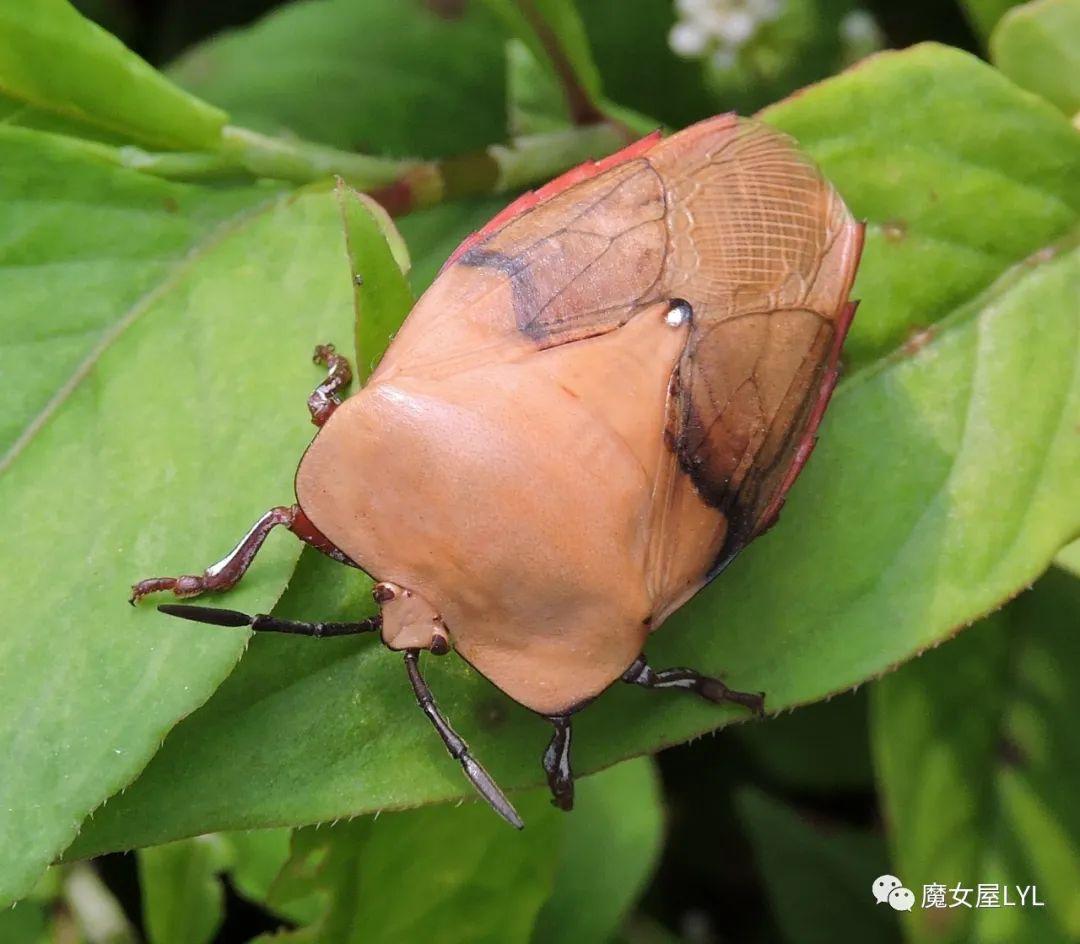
pixel 459 750
pixel 226 572
pixel 324 400
pixel 262 623
pixel 557 765
pixel 709 688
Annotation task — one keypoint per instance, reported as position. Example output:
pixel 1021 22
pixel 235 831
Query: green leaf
pixel 379 259
pixel 554 33
pixel 1038 47
pixel 53 60
pixel 182 898
pixel 103 239
pixel 1069 558
pixel 985 14
pixel 535 102
pixel 821 748
pixel 935 493
pixel 818 876
pixel 959 173
pixel 448 875
pixel 979 767
pixel 610 848
pixel 26 923
pixel 255 859
pixel 384 76
pixel 638 67
pixel 139 464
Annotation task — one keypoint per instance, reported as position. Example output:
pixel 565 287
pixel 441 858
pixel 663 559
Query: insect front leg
pixel 456 745
pixel 324 399
pixel 557 764
pixel 708 687
pixel 226 572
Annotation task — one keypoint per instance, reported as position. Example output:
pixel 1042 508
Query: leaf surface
pixel 182 898
pixel 57 65
pixel 610 846
pixel 1038 47
pixel 818 875
pixel 379 260
pixel 142 463
pixel 392 77
pixel 448 875
pixel 85 245
pixel 979 767
pixel 959 174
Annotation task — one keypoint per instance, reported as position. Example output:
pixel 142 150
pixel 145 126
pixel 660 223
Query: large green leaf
pixel 141 463
pixel 457 874
pixel 980 770
pixel 610 847
pixel 182 898
pixel 55 62
pixel 1069 558
pixel 936 492
pixel 84 246
pixel 959 173
pixel 1038 47
pixel 818 875
pixel 985 14
pixel 383 76
pixel 445 875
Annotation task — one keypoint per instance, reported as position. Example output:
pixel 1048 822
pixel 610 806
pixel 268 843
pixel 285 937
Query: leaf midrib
pixel 142 304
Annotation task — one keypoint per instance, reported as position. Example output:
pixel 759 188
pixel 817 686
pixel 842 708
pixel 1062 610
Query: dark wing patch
pixel 743 418
pixel 584 261
pixel 765 252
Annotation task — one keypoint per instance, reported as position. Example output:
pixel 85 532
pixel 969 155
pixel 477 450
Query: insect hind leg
pixel 557 764
pixel 706 686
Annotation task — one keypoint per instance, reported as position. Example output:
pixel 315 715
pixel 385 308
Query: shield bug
pixel 603 397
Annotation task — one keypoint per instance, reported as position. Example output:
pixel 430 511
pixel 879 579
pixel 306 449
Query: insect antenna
pixel 263 623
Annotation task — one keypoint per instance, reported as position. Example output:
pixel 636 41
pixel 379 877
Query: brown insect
pixel 601 400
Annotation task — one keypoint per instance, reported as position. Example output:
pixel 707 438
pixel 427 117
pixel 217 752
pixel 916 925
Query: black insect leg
pixel 709 688
pixel 557 763
pixel 457 747
pixel 262 623
pixel 324 400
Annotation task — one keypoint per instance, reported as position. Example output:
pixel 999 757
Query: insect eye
pixel 383 593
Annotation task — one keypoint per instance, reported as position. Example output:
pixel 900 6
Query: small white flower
pixel 688 40
pixel 859 27
pixel 693 8
pixel 765 10
pixel 737 27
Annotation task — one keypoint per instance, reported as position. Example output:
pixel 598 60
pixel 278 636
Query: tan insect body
pixel 604 396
